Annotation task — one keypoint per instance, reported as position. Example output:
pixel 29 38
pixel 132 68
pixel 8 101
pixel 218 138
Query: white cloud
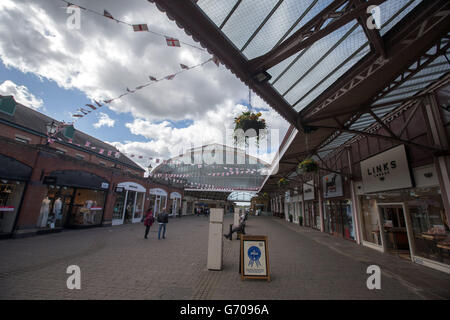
pixel 104 120
pixel 167 141
pixel 21 94
pixel 103 58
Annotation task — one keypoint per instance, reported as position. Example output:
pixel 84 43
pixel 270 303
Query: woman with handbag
pixel 148 221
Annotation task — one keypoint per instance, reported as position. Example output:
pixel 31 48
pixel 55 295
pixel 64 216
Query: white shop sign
pixel 308 190
pixel 388 170
pixel 158 192
pixel 332 186
pixel 287 196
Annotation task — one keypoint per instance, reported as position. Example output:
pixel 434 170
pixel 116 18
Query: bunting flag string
pixel 153 80
pixel 141 27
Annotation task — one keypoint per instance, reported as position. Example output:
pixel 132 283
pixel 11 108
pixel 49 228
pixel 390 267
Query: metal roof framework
pixel 322 66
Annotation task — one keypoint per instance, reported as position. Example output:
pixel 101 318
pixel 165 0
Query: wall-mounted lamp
pixel 262 76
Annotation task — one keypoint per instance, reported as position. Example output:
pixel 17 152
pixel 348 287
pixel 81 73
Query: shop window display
pixel 118 205
pixel 87 207
pixel 338 216
pixel 371 227
pixel 139 209
pixel 10 197
pixel 429 225
pixel 131 198
pixel 55 207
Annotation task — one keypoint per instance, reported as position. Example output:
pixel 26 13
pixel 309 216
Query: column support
pixel 440 138
pixel 355 203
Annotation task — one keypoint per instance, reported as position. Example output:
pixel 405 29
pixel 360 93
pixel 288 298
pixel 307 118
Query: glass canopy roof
pixel 255 27
pixel 214 167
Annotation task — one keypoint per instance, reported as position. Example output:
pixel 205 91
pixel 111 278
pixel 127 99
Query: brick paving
pixel 118 263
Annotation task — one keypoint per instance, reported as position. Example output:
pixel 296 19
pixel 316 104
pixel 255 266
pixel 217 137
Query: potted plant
pixel 307 166
pixel 246 121
pixel 282 182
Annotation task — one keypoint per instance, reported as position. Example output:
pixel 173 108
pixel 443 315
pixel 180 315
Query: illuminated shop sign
pixel 388 170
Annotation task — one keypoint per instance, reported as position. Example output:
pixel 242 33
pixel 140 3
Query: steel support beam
pixel 312 32
pixel 195 22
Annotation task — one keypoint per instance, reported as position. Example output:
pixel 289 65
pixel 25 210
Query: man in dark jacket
pixel 163 219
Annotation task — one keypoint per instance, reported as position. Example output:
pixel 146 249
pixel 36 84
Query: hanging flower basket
pixel 282 182
pixel 246 121
pixel 307 166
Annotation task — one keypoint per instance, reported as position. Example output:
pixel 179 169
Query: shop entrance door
pixel 395 234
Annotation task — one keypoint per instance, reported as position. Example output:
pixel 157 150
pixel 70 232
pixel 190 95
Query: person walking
pixel 148 222
pixel 163 219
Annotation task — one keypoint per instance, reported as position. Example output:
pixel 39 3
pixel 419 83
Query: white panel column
pixel 440 139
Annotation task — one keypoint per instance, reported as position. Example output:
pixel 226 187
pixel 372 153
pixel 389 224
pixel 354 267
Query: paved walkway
pixel 117 263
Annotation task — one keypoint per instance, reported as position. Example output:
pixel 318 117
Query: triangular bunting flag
pixel 140 27
pixel 183 66
pixel 170 77
pixel 172 42
pixel 152 78
pixel 107 14
pixel 91 106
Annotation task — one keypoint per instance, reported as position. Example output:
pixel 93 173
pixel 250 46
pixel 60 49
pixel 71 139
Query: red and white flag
pixel 98 103
pixel 77 115
pixel 170 77
pixel 140 27
pixel 107 14
pixel 153 78
pixel 172 42
pixel 101 151
pixel 183 66
pixel 109 153
pixel 87 144
pixel 117 154
pixel 91 106
pixel 157 160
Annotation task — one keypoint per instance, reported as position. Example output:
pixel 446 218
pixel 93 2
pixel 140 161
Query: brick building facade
pixel 74 181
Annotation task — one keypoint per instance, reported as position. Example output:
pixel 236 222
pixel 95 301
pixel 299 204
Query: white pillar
pixel 440 139
pixel 215 243
pixel 355 203
pixel 319 190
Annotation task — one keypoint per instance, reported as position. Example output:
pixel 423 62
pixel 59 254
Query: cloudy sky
pixel 56 70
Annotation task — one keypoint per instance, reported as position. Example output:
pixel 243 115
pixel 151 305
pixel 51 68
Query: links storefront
pixel 402 212
pixel 73 199
pixel 129 204
pixel 13 178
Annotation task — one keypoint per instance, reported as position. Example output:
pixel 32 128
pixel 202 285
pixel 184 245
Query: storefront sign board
pixel 254 257
pixel 308 190
pixel 386 171
pixel 332 186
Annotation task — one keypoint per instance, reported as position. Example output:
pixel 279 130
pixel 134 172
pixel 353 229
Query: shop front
pixel 158 200
pixel 175 204
pixel 129 203
pixel 312 214
pixel 403 218
pixel 74 199
pixel 338 217
pixel 13 178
